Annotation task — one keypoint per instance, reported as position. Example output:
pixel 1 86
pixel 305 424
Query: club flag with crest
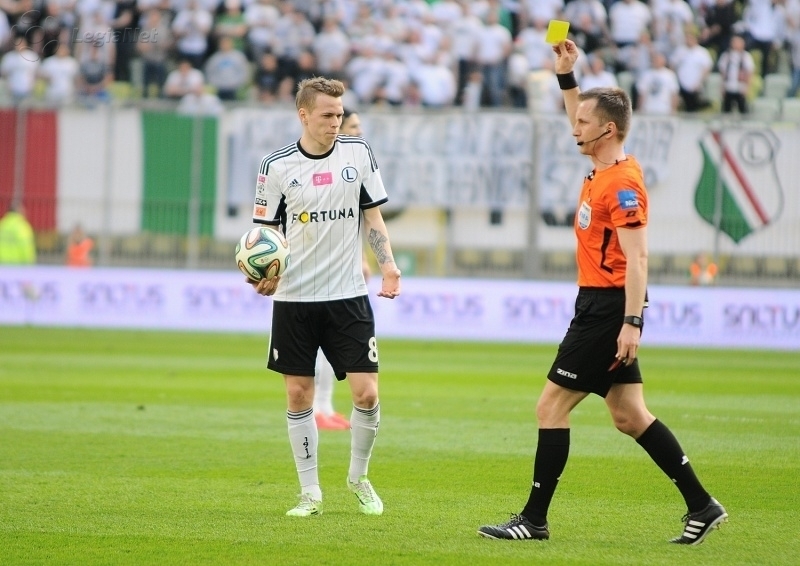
pixel 739 191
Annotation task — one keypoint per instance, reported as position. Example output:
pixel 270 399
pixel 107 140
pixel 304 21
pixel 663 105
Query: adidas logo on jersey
pixel 294 184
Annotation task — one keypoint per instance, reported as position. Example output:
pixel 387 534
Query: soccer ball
pixel 262 253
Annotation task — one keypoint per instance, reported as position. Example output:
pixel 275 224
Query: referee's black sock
pixel 551 458
pixel 662 446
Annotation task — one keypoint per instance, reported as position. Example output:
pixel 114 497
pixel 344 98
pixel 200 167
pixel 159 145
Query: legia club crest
pixel 739 190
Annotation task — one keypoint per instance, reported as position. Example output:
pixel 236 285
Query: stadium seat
pixel 713 90
pixel 776 267
pixel 133 246
pixel 765 108
pixel 470 259
pixel 560 262
pixel 679 264
pixel 790 109
pixel 657 264
pixel 164 246
pixel 49 242
pixel 756 85
pixel 794 266
pixel 776 85
pixel 120 90
pixel 505 260
pixel 757 62
pixel 625 79
pixel 743 266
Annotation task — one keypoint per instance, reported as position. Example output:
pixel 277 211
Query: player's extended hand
pixel 566 55
pixel 265 287
pixel 390 286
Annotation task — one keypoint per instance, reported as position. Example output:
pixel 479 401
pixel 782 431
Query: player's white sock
pixel 363 430
pixel 323 385
pixel 304 437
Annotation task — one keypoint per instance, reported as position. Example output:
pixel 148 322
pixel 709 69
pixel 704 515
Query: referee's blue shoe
pixel 518 528
pixel 699 524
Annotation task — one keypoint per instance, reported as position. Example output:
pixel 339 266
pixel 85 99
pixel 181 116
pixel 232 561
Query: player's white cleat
pixel 368 501
pixel 306 508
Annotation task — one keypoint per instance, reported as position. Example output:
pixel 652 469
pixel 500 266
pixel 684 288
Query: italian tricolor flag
pixel 121 170
pixel 738 190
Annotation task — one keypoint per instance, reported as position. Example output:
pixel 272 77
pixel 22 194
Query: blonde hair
pixel 308 90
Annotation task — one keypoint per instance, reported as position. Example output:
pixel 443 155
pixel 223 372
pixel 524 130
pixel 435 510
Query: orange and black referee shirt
pixel 612 198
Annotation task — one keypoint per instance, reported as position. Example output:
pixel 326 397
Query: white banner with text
pixel 443 309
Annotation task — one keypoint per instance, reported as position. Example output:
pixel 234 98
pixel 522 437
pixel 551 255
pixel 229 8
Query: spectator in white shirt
pixel 60 71
pixel 464 32
pixel 692 63
pixel 670 18
pixel 657 88
pixel 628 19
pixel 260 17
pixel 331 48
pixel 544 10
pixel 445 13
pixel 19 68
pixel 183 80
pixel 200 102
pixel 596 75
pixel 762 20
pixel 436 85
pixel 191 28
pixel 396 80
pixel 294 35
pixel 494 47
pixel 530 42
pixel 736 67
pixel 518 71
pixel 366 73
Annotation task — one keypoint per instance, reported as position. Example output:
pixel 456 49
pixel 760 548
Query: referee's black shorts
pixel 344 329
pixel 590 345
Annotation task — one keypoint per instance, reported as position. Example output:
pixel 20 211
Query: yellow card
pixel 556 31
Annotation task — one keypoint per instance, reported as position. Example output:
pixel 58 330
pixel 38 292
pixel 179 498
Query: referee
pixel 599 352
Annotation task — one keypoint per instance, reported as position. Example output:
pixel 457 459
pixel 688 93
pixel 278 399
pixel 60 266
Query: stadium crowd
pixel 434 53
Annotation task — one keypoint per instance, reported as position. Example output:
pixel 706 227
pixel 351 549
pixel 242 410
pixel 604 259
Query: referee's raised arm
pixel 566 56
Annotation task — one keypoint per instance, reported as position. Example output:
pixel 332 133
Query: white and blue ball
pixel 262 253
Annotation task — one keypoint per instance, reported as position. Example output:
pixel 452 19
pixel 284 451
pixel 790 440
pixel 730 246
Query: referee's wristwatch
pixel 633 320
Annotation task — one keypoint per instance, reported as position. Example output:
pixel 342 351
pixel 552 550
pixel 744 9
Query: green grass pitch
pixel 124 447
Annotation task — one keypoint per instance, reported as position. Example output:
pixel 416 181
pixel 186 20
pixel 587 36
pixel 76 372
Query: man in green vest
pixel 17 246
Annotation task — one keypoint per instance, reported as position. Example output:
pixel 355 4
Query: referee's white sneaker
pixel 368 501
pixel 518 528
pixel 699 524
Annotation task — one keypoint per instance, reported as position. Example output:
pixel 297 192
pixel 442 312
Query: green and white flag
pixel 739 190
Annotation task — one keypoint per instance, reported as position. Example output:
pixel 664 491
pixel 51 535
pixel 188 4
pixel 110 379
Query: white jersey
pixel 317 200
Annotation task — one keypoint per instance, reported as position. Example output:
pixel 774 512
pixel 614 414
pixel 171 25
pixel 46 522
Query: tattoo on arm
pixel 376 242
